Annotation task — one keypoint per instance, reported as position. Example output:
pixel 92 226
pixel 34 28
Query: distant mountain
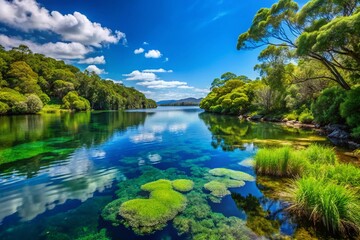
pixel 181 102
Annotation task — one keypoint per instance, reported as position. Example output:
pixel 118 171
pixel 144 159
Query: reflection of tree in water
pixel 37 140
pixel 262 222
pixel 230 132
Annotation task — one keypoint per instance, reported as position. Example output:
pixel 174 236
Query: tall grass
pixel 280 162
pixel 335 207
pixel 320 154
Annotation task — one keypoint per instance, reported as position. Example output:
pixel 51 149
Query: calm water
pixel 72 165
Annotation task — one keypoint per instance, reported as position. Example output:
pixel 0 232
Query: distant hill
pixel 181 102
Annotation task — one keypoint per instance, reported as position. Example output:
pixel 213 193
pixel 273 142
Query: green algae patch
pixel 148 215
pixel 237 175
pixel 219 188
pixel 183 185
pixel 159 184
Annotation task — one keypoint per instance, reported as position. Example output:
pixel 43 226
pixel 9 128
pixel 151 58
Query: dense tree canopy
pixel 28 81
pixel 326 31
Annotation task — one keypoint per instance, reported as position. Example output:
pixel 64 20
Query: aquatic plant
pixel 219 188
pixel 281 162
pixel 237 175
pixel 147 215
pixel 324 203
pixel 199 222
pixel 249 162
pixel 182 185
pixel 95 236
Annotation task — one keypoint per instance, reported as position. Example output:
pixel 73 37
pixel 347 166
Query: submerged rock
pixel 147 215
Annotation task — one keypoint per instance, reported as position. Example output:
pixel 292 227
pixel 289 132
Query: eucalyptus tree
pixel 327 31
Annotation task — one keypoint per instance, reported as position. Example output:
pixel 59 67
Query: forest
pixel 309 66
pixel 31 82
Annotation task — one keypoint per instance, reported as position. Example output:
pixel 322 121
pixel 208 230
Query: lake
pixel 59 172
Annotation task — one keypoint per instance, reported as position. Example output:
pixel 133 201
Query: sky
pixel 165 49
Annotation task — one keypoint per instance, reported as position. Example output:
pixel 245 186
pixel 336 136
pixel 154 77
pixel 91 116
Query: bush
pixel 350 109
pixel 306 116
pixel 335 207
pixel 291 116
pixel 44 98
pixel 73 101
pixel 321 155
pixel 4 108
pixel 19 108
pixel 10 96
pixel 34 104
pixel 326 107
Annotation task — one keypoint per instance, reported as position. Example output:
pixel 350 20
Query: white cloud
pixel 145 137
pixel 159 84
pixel 140 76
pixel 186 87
pixel 115 81
pixel 202 90
pixel 160 70
pixel 95 60
pixel 145 43
pixel 166 60
pixel 95 69
pixel 28 15
pixel 139 50
pixel 58 50
pixel 153 54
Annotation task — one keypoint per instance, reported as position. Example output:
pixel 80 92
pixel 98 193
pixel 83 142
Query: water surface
pixel 59 171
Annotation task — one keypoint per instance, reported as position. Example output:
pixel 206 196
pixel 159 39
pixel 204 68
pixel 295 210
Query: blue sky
pixel 181 45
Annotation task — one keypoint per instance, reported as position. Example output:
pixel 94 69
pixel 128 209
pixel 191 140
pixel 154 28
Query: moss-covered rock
pixel 237 175
pixel 183 185
pixel 164 203
pixel 219 188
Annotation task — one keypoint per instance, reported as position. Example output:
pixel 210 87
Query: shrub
pixel 10 96
pixel 326 107
pixel 73 101
pixel 324 203
pixel 19 108
pixel 306 116
pixel 44 98
pixel 291 116
pixel 350 109
pixel 4 108
pixel 34 104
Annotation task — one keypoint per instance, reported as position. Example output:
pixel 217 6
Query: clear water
pixel 60 171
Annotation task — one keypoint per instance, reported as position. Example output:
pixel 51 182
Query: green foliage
pixel 34 104
pixel 4 108
pixel 350 110
pixel 326 108
pixel 335 207
pixel 27 73
pixel 320 154
pixel 306 116
pixel 234 97
pixel 291 116
pixel 219 188
pixel 74 102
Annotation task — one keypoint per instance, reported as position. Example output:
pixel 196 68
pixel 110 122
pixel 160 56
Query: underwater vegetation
pixel 323 191
pixel 163 204
pixel 191 213
pixel 219 188
pixel 237 175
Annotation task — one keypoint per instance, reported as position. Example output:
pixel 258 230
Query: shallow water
pixel 58 172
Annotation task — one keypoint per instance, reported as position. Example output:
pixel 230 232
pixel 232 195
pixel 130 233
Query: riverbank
pixel 338 134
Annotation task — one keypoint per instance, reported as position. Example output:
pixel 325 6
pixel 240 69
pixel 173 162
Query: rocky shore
pixel 338 134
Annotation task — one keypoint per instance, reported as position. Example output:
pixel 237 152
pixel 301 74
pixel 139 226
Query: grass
pixel 323 191
pixel 280 162
pixel 335 207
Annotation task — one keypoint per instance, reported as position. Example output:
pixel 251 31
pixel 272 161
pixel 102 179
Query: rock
pixel 256 117
pixel 338 133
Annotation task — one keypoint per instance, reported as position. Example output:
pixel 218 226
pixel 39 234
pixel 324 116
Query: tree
pixel 22 78
pixel 34 104
pixel 61 88
pixel 323 30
